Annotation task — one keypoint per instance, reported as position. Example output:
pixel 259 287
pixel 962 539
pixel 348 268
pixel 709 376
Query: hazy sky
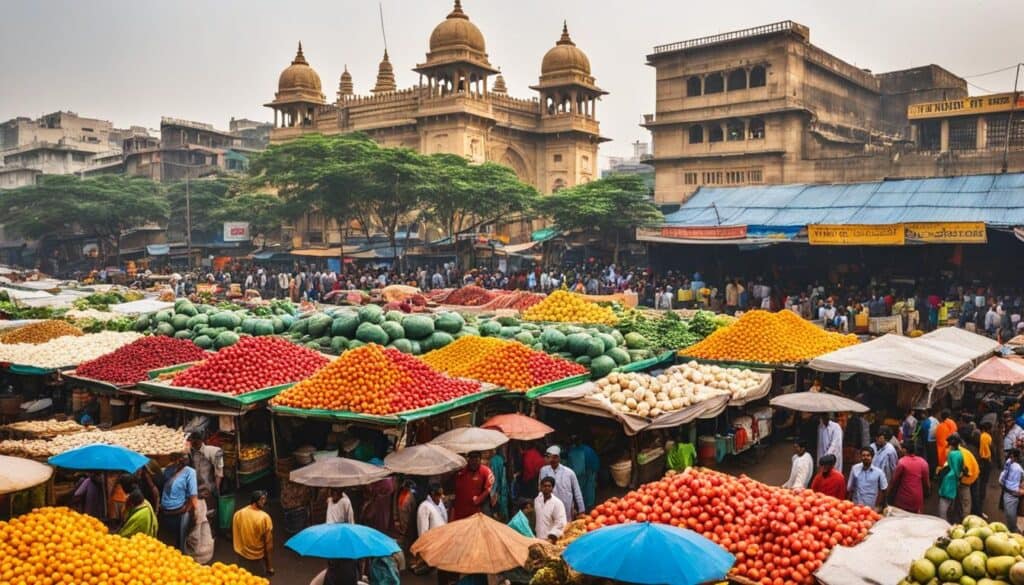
pixel 133 61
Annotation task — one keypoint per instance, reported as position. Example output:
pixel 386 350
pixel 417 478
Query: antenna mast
pixel 380 7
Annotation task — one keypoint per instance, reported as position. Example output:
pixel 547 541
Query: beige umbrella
pixel 474 545
pixel 20 474
pixel 338 472
pixel 424 459
pixel 466 439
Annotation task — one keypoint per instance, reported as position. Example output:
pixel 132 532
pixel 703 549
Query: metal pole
pixel 1009 121
pixel 188 220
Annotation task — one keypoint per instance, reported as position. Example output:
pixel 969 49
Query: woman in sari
pixel 141 518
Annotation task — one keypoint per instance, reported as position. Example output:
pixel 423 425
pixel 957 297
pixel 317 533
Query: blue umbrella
pixel 99 457
pixel 649 554
pixel 342 541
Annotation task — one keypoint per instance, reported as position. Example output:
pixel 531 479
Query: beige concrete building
pixel 193 149
pixel 550 141
pixel 764 105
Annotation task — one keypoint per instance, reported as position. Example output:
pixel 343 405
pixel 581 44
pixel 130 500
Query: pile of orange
pixel 565 307
pixel 58 545
pixel 40 332
pixel 769 338
pixel 508 364
pixel 374 380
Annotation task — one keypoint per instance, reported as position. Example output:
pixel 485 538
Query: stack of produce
pixel 130 363
pixel 777 535
pixel 566 307
pixel 41 332
pixel 251 364
pixel 59 545
pixel 351 329
pixel 103 300
pixel 213 327
pixel 667 331
pixel 65 351
pixel 599 347
pixel 769 338
pixel 973 552
pixel 469 296
pixel 375 380
pixel 146 439
pixel 44 427
pixel 507 364
pixel 677 388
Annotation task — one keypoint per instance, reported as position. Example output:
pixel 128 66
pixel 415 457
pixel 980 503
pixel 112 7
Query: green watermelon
pixel 199 319
pixel 262 327
pixel 595 347
pixel 279 326
pixel 185 307
pixel 163 316
pixel 601 366
pixel 183 334
pixel 355 343
pixel 371 314
pixel 345 324
pixel 417 348
pixel 319 325
pixel 553 339
pixel 393 329
pixel 618 354
pixel 300 327
pixel 142 323
pixel 395 316
pixel 371 333
pixel 584 360
pixel 418 327
pixel 165 329
pixel 578 343
pixel 524 337
pixel 608 340
pixel 203 341
pixel 339 344
pixel 440 339
pixel 225 319
pixel 449 322
pixel 402 345
pixel 490 328
pixel 225 339
pixel 324 342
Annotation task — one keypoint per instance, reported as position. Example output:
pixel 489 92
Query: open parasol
pixel 466 439
pixel 518 427
pixel 342 541
pixel 474 545
pixel 20 474
pixel 338 472
pixel 817 402
pixel 424 459
pixel 997 370
pixel 100 457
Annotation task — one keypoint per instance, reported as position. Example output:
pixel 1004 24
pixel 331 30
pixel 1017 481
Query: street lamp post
pixel 188 207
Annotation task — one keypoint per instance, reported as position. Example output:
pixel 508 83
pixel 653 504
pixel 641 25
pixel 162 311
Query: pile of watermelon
pixel 344 329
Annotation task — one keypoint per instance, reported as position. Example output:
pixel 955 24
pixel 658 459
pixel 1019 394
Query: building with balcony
pixel 550 141
pixel 193 149
pixel 764 105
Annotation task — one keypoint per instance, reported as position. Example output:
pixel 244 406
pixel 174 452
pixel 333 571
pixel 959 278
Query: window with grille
pixel 690 178
pixel 754 176
pixel 963 133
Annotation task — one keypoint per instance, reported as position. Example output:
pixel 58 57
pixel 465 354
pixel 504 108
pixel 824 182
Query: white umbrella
pixel 424 459
pixel 338 472
pixel 20 474
pixel 466 439
pixel 817 402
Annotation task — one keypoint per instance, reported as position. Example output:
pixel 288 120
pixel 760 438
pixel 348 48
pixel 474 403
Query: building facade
pixel 764 105
pixel 633 165
pixel 550 141
pixel 193 149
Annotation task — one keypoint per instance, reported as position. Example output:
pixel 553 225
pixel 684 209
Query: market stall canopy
pixel 518 427
pixel 100 457
pixel 338 472
pixel 817 402
pixel 933 362
pixel 997 370
pixel 648 553
pixel 342 541
pixel 466 439
pixel 892 544
pixel 20 474
pixel 474 545
pixel 961 342
pixel 426 460
pixel 141 306
pixel 579 399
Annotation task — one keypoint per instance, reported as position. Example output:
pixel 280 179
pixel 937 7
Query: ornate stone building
pixel 550 141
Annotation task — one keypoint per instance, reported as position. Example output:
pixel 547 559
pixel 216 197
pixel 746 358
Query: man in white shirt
pixel 567 486
pixel 432 512
pixel 550 512
pixel 802 467
pixel 830 439
pixel 885 457
pixel 339 508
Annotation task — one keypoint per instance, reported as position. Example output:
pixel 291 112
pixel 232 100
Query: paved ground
pixel 771 466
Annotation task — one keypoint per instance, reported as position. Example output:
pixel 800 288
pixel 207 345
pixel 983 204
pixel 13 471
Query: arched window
pixel 755 129
pixel 693 86
pixel 715 133
pixel 757 76
pixel 737 79
pixel 714 83
pixel 558 185
pixel 734 130
pixel 696 134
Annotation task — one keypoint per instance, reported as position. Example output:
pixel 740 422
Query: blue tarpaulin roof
pixel 997 200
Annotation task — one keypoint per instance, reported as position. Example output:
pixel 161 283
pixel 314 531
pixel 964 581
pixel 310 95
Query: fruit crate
pixel 254 465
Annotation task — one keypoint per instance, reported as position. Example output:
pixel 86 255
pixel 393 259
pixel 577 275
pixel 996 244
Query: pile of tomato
pixel 779 536
pixel 508 364
pixel 251 364
pixel 131 362
pixel 375 380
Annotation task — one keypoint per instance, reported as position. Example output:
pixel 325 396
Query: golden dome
pixel 298 76
pixel 457 31
pixel 565 56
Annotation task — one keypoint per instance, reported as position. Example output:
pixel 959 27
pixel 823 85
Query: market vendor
pixel 549 511
pixel 473 485
pixel 567 486
pixel 208 461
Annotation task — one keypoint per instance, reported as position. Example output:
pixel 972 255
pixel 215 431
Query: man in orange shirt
pixel 947 426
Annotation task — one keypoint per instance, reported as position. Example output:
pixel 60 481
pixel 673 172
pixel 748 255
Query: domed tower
pixel 499 85
pixel 385 76
pixel 345 87
pixel 457 60
pixel 566 85
pixel 298 94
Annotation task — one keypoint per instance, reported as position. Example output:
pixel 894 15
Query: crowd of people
pixel 929 451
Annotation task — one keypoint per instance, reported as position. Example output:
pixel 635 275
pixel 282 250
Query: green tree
pixel 214 201
pixel 104 206
pixel 612 205
pixel 263 211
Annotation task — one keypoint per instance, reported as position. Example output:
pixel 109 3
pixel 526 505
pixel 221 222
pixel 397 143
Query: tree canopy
pixel 614 204
pixel 214 201
pixel 104 206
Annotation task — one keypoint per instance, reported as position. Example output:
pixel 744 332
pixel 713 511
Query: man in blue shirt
pixel 885 456
pixel 867 483
pixel 584 461
pixel 179 498
pixel 1010 480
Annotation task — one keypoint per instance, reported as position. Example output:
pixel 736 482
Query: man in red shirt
pixel 910 480
pixel 532 462
pixel 472 487
pixel 828 480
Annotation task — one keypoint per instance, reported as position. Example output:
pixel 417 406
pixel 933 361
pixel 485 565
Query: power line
pixel 1007 68
pixel 979 87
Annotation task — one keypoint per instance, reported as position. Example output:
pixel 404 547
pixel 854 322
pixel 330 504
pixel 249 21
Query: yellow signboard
pixel 855 235
pixel 969 106
pixel 957 232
